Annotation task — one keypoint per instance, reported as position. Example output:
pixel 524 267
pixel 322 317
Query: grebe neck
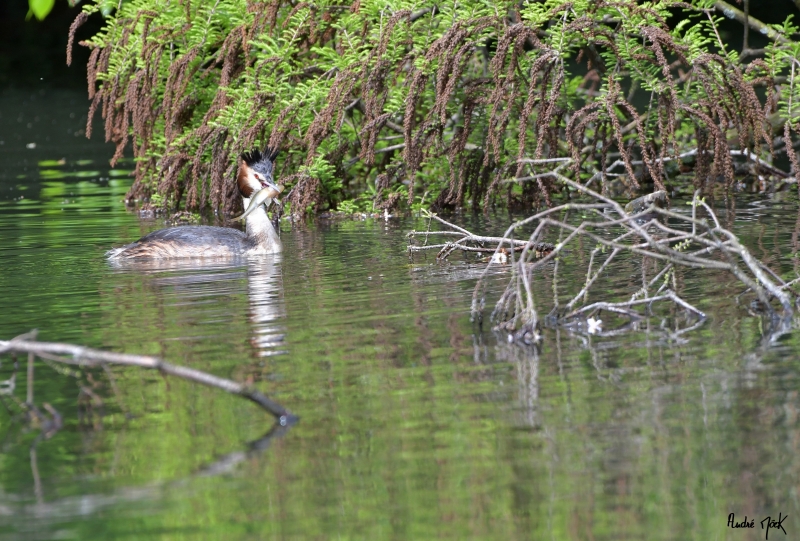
pixel 260 231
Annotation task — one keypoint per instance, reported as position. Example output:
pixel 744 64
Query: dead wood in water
pixel 71 354
pixel 664 240
pixel 52 508
pixel 469 242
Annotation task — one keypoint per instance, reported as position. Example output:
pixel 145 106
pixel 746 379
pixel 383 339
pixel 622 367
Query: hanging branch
pixel 736 14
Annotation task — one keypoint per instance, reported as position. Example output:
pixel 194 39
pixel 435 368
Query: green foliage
pixel 41 8
pixel 352 206
pixel 408 96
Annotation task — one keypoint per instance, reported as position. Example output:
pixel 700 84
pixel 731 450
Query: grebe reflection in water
pixel 257 188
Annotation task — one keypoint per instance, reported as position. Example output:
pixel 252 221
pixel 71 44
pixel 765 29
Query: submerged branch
pixel 79 355
pixel 467 241
pixel 668 295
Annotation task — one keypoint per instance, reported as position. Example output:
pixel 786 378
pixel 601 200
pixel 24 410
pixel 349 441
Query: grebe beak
pixel 270 183
pixel 264 196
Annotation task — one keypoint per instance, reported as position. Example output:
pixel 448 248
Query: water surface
pixel 415 424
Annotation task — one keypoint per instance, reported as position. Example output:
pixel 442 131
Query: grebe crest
pixel 255 173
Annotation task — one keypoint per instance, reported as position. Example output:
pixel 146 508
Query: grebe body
pixel 202 241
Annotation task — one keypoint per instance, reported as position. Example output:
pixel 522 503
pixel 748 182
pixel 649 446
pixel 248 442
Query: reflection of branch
pixel 37 480
pixel 65 508
pixel 62 509
pixel 85 356
pixel 226 463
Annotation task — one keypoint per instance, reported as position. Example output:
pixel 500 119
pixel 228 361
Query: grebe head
pixel 258 189
pixel 255 171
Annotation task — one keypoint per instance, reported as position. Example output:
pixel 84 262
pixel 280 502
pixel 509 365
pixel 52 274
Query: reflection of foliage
pixel 444 99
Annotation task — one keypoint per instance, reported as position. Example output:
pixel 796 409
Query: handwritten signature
pixel 767 523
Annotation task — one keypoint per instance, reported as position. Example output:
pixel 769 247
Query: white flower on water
pixel 595 325
pixel 500 258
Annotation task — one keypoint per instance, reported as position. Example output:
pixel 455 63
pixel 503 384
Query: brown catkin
pixel 73 28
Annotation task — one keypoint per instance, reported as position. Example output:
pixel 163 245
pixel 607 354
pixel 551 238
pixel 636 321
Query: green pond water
pixel 414 423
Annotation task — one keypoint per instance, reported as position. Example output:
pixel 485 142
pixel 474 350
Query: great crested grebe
pixel 255 181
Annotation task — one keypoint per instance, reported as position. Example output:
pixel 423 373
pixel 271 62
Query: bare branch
pixel 79 355
pixel 640 229
pixel 732 12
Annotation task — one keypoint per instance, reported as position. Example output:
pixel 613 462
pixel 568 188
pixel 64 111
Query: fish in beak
pixel 264 197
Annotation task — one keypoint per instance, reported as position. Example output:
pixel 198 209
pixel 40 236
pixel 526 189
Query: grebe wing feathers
pixel 185 241
pixel 194 234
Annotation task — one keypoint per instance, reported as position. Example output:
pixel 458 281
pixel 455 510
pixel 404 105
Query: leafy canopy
pixel 378 102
